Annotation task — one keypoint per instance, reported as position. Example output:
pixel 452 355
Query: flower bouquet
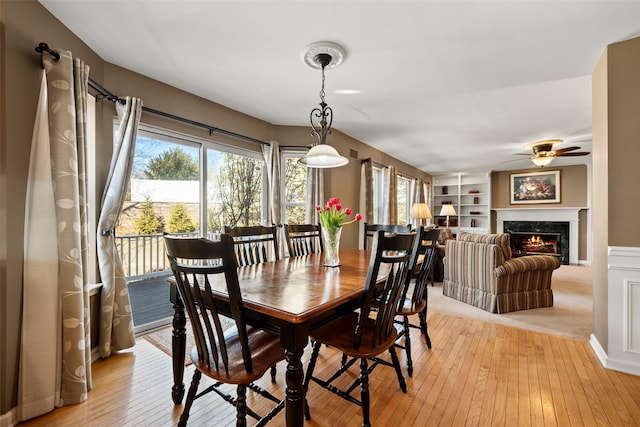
pixel 332 218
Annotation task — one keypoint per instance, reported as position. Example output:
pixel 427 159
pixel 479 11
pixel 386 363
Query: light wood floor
pixel 477 374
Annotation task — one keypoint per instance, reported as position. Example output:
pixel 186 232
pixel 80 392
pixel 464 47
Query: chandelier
pixel 323 55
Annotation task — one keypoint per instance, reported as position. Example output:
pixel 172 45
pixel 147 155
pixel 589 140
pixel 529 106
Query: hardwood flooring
pixel 477 374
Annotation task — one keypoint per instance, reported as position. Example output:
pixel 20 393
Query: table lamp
pixel 447 210
pixel 420 211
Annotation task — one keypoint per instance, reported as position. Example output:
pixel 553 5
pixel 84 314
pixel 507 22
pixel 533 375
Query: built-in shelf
pixel 470 195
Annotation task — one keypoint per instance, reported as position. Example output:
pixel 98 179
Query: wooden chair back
pixel 303 239
pixel 393 251
pixel 254 244
pixel 370 229
pixel 193 262
pixel 426 246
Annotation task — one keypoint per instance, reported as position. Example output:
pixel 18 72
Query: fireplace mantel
pixel 570 215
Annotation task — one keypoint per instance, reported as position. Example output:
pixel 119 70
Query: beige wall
pixel 24 24
pixel 616 200
pixel 573 188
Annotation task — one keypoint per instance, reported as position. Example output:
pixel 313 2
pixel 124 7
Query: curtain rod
pixel 43 47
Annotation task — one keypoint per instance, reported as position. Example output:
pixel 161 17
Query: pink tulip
pixel 347 211
pixel 338 207
pixel 318 208
pixel 358 217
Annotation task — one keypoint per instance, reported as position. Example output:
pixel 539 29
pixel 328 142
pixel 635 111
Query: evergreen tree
pixel 179 220
pixel 174 164
pixel 149 222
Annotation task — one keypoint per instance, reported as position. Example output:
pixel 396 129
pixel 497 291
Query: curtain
pixel 427 199
pixel 415 192
pixel 271 155
pixel 55 348
pixel 390 195
pixel 116 321
pixel 366 197
pixel 315 194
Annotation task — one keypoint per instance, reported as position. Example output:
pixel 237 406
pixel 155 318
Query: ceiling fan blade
pixel 575 153
pixel 515 160
pixel 564 150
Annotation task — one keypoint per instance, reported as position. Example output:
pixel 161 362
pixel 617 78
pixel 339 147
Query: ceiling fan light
pixel 323 156
pixel 542 161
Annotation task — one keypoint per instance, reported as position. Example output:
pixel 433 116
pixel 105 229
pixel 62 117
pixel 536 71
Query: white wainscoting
pixel 624 312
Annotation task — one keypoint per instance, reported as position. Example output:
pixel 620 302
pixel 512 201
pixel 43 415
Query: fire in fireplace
pixel 549 230
pixel 523 243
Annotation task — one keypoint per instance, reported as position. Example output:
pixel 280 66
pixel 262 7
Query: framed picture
pixel 535 187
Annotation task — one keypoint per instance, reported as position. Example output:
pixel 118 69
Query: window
pixel 378 191
pixel 294 183
pixel 403 186
pixel 185 185
pixel 234 190
pixel 402 199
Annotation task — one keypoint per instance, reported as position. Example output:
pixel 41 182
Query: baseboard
pixel 9 419
pixel 610 363
pixel 598 350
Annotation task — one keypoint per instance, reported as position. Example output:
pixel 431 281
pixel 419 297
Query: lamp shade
pixel 323 156
pixel 447 210
pixel 420 211
pixel 542 160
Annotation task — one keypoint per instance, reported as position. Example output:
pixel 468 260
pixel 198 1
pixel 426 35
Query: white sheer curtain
pixel 415 193
pixel 271 155
pixel 55 349
pixel 390 195
pixel 116 321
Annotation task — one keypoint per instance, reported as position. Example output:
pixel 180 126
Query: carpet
pixel 571 315
pixel 161 338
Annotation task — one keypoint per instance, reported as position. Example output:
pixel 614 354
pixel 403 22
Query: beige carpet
pixel 570 316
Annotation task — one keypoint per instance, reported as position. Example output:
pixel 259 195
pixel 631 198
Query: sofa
pixel 479 270
pixel 438 268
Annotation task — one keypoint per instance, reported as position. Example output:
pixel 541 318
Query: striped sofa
pixel 479 270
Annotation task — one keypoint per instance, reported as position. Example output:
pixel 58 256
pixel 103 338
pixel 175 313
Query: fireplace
pixel 535 243
pixel 539 237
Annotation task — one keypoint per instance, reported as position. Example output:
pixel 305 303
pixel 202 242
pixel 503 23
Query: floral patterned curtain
pixel 55 351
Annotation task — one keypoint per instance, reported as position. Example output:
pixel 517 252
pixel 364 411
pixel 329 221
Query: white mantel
pixel 570 215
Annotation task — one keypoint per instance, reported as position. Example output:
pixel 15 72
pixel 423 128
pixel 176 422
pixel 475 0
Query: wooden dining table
pixel 290 297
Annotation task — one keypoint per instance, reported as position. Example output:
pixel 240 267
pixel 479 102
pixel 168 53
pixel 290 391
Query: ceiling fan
pixel 543 152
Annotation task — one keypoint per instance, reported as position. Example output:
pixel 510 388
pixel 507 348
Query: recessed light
pixel 347 91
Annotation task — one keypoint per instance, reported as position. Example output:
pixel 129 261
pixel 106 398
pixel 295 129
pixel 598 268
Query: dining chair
pixel 365 332
pixel 414 298
pixel 254 244
pixel 303 239
pixel 370 229
pixel 239 354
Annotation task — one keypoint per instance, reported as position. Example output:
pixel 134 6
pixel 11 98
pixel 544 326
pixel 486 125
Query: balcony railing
pixel 143 255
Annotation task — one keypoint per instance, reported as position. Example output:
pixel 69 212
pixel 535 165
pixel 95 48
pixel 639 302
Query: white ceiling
pixel 445 85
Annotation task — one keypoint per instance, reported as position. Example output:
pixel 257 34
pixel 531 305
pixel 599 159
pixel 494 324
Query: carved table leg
pixel 178 345
pixel 294 338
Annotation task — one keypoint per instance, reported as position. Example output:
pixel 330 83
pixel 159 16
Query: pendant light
pixel 323 55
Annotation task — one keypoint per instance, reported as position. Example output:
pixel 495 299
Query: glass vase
pixel 331 241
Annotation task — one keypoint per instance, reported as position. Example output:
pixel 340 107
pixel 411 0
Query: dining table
pixel 290 297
